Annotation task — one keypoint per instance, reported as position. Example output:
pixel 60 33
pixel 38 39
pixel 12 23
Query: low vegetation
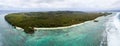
pixel 28 21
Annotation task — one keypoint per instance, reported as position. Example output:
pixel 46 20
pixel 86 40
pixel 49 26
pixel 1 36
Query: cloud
pixel 62 4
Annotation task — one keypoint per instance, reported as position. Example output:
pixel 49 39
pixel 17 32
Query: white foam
pixel 113 31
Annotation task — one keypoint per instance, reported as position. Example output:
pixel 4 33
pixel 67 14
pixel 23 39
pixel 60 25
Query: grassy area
pixel 28 21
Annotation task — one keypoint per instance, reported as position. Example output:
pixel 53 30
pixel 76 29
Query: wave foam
pixel 113 31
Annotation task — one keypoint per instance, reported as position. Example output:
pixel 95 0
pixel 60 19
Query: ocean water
pixel 113 30
pixel 87 34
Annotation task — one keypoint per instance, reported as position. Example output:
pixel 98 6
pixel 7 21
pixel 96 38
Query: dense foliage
pixel 30 20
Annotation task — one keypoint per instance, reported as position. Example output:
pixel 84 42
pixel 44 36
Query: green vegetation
pixel 28 21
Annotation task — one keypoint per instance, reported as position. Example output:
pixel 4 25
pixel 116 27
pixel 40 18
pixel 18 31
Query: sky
pixel 60 4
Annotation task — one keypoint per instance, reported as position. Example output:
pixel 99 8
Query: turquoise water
pixel 87 34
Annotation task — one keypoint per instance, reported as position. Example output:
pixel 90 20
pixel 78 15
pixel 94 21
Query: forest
pixel 29 20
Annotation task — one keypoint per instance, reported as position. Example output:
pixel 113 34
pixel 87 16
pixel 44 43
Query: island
pixel 29 20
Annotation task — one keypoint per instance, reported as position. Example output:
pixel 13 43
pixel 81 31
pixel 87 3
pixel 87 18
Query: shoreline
pixel 64 27
pixel 54 28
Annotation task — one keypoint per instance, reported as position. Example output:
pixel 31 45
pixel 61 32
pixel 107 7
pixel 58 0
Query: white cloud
pixel 62 4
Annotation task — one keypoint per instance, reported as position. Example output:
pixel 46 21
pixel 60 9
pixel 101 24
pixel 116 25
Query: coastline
pixel 54 28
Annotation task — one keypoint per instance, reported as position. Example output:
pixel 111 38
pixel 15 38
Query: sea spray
pixel 113 31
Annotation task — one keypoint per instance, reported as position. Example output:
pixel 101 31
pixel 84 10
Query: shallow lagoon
pixel 88 34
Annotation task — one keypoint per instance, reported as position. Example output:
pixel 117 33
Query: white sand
pixel 66 26
pixel 59 27
pixel 53 28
